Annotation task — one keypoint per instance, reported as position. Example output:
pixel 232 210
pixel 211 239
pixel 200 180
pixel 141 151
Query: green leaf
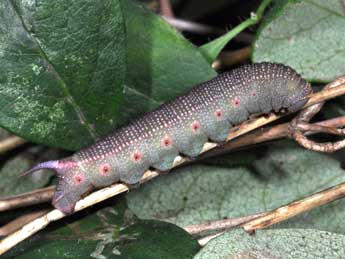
pixel 60 78
pixel 64 65
pixel 197 193
pixel 272 244
pixel 13 163
pixel 305 35
pixel 105 234
pixel 85 236
pixel 19 160
pixel 156 239
pixel 161 63
pixel 236 159
pixel 11 183
pixel 212 49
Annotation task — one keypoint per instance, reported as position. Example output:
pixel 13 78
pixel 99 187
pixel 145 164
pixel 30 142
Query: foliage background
pixel 73 70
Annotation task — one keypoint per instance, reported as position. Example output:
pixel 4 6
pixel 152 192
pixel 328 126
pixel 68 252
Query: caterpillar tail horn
pixel 53 165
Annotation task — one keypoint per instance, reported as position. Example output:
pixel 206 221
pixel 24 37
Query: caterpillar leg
pixel 166 162
pixel 220 131
pixel 194 147
pixel 133 185
pixel 70 189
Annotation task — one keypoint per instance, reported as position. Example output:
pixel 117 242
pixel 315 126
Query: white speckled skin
pixel 181 126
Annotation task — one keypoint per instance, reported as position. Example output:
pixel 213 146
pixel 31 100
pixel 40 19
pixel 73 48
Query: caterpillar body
pixel 182 126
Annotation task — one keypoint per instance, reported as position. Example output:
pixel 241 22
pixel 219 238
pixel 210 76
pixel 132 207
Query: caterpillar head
pixel 72 185
pixel 299 95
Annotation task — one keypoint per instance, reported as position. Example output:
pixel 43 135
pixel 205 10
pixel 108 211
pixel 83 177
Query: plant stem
pixel 212 49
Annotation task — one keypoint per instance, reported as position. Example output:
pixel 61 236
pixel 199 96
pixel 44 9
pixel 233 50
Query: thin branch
pixel 10 143
pixel 327 147
pixel 300 125
pixel 103 194
pixel 296 207
pixel 27 199
pixel 20 222
pixel 265 219
pixel 166 9
pixel 194 27
pixel 219 225
pixel 203 241
pixel 306 127
pixel 332 90
pixel 41 222
pixel 252 138
pixel 255 137
pixel 269 134
pixel 230 58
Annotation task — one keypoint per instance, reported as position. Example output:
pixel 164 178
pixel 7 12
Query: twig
pixel 39 223
pixel 195 27
pixel 327 147
pixel 270 218
pixel 219 225
pixel 10 143
pixel 27 199
pixel 252 138
pixel 295 208
pixel 301 124
pixel 308 128
pixel 230 58
pixel 21 221
pixel 116 189
pixel 184 25
pixel 269 134
pixel 285 212
pixel 166 9
pixel 203 241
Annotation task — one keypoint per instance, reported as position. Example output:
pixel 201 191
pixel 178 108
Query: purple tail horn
pixel 44 165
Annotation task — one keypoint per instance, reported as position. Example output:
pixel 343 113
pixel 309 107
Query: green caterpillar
pixel 182 126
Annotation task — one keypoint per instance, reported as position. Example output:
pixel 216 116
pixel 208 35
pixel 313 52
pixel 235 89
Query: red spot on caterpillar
pixel 195 126
pixel 136 156
pixel 166 141
pixel 104 169
pixel 218 113
pixel 253 93
pixel 78 178
pixel 235 102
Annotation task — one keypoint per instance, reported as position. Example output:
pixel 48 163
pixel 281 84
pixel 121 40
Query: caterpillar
pixel 179 127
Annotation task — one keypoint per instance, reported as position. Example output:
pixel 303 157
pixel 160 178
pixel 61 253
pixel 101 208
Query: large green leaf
pixel 274 244
pixel 155 240
pixel 307 35
pixel 161 64
pixel 62 69
pixel 196 194
pixel 104 234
